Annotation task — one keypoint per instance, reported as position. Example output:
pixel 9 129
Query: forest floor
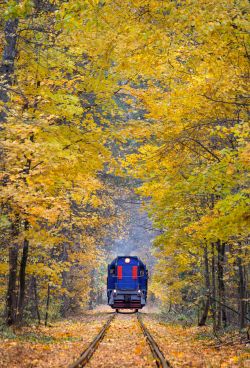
pixel 59 344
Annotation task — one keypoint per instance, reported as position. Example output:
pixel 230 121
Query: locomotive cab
pixel 127 283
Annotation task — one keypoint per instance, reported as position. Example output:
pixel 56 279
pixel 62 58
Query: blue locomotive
pixel 127 283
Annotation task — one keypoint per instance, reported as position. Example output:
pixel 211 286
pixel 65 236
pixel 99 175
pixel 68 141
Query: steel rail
pixel 87 353
pixel 157 353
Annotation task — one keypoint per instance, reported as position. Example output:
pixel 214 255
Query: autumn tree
pixel 165 81
pixel 192 156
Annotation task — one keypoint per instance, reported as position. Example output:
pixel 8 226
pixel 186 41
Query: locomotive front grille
pixel 127 305
pixel 130 304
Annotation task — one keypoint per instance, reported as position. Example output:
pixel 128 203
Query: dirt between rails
pixel 123 346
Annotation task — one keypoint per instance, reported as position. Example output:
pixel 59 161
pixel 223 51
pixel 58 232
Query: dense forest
pixel 106 102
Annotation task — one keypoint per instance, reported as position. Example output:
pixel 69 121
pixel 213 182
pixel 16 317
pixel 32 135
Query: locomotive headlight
pixel 139 291
pixel 127 260
pixel 114 291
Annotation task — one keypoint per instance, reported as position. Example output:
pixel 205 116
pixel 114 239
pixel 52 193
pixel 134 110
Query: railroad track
pixel 156 351
pixel 86 355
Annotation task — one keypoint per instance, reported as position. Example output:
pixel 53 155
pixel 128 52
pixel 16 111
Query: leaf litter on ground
pixel 53 346
pixel 195 346
pixel 124 345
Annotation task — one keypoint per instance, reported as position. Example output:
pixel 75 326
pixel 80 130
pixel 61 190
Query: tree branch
pixel 226 102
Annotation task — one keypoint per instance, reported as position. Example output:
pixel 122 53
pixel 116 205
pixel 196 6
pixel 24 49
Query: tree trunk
pixel 6 74
pixel 242 294
pixel 65 306
pixel 91 292
pixel 36 299
pixel 221 317
pixel 22 277
pixel 8 59
pixel 11 292
pixel 11 297
pixel 47 306
pixel 202 320
pixel 213 306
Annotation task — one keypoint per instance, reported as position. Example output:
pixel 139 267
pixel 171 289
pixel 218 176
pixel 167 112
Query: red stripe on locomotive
pixel 134 272
pixel 119 272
